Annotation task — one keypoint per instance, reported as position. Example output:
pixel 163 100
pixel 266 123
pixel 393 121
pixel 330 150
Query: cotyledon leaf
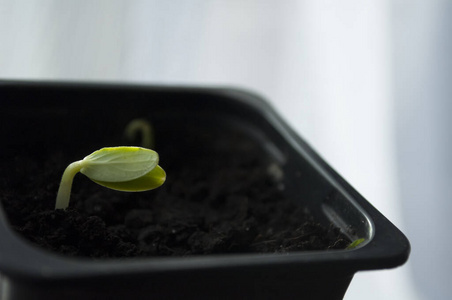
pixel 149 181
pixel 119 164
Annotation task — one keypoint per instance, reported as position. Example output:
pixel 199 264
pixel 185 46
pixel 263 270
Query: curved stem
pixel 64 191
pixel 144 128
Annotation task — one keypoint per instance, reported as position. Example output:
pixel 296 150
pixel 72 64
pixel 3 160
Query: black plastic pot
pixel 32 110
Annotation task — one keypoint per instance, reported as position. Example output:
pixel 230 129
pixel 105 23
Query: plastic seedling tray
pixel 40 117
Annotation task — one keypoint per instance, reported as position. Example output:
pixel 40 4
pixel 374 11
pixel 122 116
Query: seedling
pixel 142 127
pixel 128 169
pixel 355 243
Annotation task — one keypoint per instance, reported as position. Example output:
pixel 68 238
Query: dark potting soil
pixel 224 198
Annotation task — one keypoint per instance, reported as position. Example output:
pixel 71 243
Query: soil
pixel 226 197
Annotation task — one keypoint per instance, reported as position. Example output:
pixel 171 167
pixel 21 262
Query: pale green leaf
pixel 151 180
pixel 119 164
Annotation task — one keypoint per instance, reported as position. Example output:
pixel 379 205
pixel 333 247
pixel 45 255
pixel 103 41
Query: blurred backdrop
pixel 366 83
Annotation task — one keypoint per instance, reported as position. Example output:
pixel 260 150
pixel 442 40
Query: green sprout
pixel 142 127
pixel 128 169
pixel 354 244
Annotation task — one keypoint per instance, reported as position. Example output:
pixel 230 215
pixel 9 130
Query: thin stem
pixel 64 192
pixel 144 128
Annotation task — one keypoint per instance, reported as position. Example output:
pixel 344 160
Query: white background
pixel 364 82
